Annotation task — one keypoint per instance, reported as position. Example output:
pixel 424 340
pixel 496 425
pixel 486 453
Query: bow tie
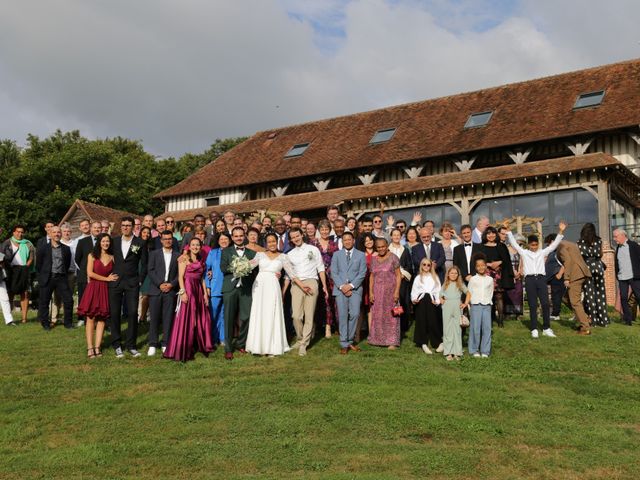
pixel 239 248
pixel 467 245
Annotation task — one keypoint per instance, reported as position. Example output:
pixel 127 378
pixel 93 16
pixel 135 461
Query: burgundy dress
pixel 325 311
pixel 95 299
pixel 385 328
pixel 191 330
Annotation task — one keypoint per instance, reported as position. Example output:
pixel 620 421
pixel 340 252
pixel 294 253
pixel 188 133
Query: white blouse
pixel 481 289
pixel 425 285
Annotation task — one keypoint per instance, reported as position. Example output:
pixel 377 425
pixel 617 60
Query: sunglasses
pixel 170 221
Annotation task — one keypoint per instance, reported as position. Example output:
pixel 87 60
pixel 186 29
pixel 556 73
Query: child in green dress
pixel 452 292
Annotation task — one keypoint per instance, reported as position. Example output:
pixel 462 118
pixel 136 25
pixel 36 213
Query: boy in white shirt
pixel 535 278
pixel 481 289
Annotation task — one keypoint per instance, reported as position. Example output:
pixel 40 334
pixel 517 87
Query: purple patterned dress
pixel 191 330
pixel 385 328
pixel 326 311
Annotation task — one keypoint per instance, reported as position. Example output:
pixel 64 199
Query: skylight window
pixel 478 119
pixel 590 99
pixel 297 150
pixel 382 136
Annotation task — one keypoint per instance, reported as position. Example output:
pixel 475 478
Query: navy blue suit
pixel 437 255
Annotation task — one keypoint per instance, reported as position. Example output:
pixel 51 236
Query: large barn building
pixel 561 147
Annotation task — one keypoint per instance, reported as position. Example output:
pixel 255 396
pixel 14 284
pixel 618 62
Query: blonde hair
pixel 432 271
pixel 447 281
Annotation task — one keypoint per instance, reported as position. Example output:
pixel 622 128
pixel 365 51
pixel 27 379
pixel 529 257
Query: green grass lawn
pixel 546 409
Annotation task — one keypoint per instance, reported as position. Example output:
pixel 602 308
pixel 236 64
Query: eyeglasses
pixel 123 225
pixel 377 221
pixel 170 221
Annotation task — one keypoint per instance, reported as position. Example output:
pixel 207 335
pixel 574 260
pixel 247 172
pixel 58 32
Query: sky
pixel 177 74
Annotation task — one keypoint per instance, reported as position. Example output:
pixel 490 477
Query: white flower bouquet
pixel 240 267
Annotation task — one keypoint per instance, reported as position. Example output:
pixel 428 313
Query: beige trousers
pixel 304 308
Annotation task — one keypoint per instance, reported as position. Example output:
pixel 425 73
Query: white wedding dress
pixel 267 334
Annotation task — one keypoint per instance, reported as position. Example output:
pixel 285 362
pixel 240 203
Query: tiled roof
pixel 96 213
pixel 309 201
pixel 525 112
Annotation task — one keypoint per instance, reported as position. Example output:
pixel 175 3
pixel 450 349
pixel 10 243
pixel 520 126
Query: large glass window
pixel 437 213
pixel 532 206
pixel 586 207
pixel 564 207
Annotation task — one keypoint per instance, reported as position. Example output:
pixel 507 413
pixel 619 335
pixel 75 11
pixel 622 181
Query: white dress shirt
pixel 533 262
pixel 125 245
pixel 72 246
pixel 306 262
pixel 468 247
pixel 481 288
pixel 167 263
pixel 425 285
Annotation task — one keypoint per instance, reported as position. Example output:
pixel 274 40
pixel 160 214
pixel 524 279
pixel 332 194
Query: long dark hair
pixel 361 240
pixel 588 234
pixel 97 249
pixel 490 229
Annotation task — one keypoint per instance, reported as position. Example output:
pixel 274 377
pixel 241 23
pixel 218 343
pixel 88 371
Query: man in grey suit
pixel 163 285
pixel 348 270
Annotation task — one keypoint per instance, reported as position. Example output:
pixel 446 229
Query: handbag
pixel 464 321
pixel 397 310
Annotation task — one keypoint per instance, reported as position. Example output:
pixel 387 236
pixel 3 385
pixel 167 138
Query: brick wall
pixel 608 257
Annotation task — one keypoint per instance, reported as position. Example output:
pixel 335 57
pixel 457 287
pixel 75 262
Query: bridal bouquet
pixel 240 267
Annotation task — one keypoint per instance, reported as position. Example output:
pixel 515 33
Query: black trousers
pixel 163 310
pixel 557 293
pixel 428 323
pixel 81 288
pixel 624 285
pixel 130 296
pixel 537 291
pixel 59 284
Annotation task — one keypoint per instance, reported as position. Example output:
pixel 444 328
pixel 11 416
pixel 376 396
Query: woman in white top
pixel 267 334
pixel 425 295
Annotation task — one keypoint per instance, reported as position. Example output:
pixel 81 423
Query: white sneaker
pixel 548 333
pixel 484 355
pixel 534 333
pixel 80 323
pixel 476 355
pixel 164 349
pixel 426 350
pixel 555 318
pixel 440 348
pixel 151 352
pixel 302 351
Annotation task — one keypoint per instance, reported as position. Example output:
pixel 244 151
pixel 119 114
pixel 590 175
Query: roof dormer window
pixel 591 99
pixel 478 119
pixel 382 136
pixel 297 150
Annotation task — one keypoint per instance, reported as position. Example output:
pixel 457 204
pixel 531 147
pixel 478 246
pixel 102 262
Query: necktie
pixel 348 256
pixel 428 251
pixel 281 243
pixel 93 239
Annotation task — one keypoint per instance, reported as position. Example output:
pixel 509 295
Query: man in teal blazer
pixel 236 293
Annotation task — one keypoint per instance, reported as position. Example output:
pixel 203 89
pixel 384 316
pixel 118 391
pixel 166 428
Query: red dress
pixel 95 299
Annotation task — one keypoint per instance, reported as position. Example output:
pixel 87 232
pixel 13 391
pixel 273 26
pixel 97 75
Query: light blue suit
pixel 215 302
pixel 351 272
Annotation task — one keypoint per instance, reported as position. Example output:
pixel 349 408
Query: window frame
pixel 589 94
pixel 392 130
pixel 477 114
pixel 289 154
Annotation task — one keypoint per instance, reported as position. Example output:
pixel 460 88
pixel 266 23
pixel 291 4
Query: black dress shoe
pixel 69 327
pixel 46 328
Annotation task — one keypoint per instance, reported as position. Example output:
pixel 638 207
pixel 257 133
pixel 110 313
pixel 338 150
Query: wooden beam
pixel 368 178
pixel 280 191
pixel 413 172
pixel 465 165
pixel 579 148
pixel 520 157
pixel 322 185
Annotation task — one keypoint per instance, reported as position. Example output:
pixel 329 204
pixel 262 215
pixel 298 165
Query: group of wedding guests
pixel 253 287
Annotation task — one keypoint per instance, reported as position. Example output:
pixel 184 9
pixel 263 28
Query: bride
pixel 267 334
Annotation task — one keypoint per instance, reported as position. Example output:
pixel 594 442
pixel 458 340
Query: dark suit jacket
pixel 634 253
pixel 185 241
pixel 157 268
pixel 131 269
pixel 437 255
pixel 83 249
pixel 460 259
pixel 552 267
pixel 228 284
pixel 44 261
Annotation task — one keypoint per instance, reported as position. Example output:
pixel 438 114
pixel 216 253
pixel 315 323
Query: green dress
pixel 451 330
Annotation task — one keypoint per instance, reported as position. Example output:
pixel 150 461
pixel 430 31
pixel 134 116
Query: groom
pixel 130 264
pixel 236 293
